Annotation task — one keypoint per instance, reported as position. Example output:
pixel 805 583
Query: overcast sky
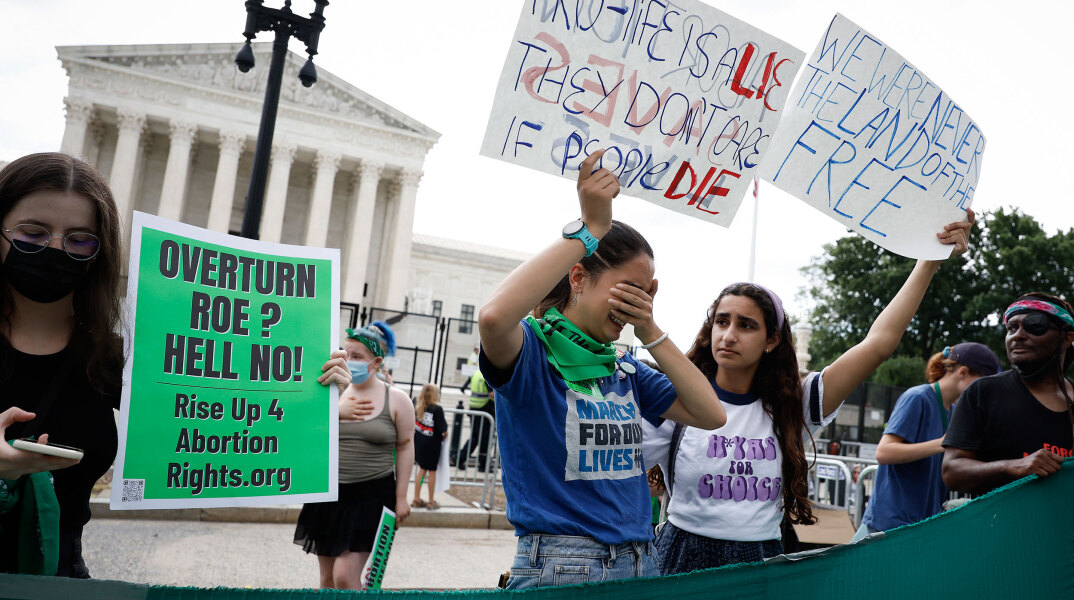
pixel 439 62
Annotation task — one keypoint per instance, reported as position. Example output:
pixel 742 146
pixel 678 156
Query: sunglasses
pixel 1034 323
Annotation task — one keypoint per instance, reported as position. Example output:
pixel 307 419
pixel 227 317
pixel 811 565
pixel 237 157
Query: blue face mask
pixel 359 371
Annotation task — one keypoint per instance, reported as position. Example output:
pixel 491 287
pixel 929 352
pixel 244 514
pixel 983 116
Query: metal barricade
pixel 835 474
pixel 867 480
pixel 859 493
pixel 839 490
pixel 478 429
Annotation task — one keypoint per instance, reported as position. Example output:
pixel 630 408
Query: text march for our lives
pixel 873 143
pixel 684 98
pixel 221 404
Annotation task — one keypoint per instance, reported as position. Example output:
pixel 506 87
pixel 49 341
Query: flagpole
pixel 753 238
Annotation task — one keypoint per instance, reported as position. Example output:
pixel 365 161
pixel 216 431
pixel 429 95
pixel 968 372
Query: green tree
pixel 904 371
pixel 1010 254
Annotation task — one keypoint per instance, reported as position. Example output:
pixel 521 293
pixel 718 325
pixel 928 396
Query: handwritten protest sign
pixel 872 142
pixel 221 404
pixel 684 97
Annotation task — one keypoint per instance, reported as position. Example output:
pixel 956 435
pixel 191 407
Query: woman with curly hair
pixel 730 487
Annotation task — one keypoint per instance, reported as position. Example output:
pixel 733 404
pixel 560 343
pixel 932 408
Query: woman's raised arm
pixel 850 369
pixel 501 335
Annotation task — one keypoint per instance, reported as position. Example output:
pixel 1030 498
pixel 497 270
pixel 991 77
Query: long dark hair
pixel 778 384
pixel 96 302
pixel 621 244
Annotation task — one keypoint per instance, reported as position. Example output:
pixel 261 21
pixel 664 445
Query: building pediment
pixel 212 67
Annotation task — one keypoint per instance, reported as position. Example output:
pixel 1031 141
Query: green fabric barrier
pixel 37 587
pixel 1016 542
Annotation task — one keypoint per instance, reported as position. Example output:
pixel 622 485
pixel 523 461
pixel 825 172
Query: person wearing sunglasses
pixel 909 487
pixel 61 361
pixel 1020 422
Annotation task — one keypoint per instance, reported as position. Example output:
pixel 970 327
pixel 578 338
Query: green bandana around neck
pixel 577 356
pixel 37 519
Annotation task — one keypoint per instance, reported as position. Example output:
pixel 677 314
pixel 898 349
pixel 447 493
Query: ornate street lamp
pixel 286 24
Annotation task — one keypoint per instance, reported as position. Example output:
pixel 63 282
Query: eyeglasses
pixel 1034 323
pixel 31 239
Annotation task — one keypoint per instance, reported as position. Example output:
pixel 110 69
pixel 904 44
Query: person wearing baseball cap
pixel 909 486
pixel 1020 422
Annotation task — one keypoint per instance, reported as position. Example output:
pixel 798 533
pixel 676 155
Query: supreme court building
pixel 173 128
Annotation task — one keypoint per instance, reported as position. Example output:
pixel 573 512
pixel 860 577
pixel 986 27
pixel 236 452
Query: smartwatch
pixel 577 230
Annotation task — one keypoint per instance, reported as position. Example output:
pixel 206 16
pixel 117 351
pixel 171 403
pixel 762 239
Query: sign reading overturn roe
pixel 683 97
pixel 221 405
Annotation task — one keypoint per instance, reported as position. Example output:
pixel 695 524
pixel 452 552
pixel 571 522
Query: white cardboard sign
pixel 873 143
pixel 685 98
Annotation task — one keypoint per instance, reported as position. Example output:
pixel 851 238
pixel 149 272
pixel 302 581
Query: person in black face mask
pixel 1020 422
pixel 61 360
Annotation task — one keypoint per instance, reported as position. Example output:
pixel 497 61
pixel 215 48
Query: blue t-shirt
pixel 572 462
pixel 914 491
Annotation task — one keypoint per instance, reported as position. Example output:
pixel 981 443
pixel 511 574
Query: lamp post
pixel 286 24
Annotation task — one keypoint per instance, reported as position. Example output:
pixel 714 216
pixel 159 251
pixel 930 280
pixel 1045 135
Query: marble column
pixel 94 137
pixel 398 267
pixel 79 114
pixel 386 241
pixel 363 202
pixel 232 143
pixel 326 164
pixel 177 169
pixel 125 162
pixel 283 154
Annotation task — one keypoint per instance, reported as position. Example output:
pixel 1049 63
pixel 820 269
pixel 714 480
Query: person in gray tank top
pixel 342 533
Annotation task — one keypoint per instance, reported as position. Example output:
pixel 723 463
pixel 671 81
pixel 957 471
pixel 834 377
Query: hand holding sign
pixel 335 371
pixel 958 234
pixel 596 188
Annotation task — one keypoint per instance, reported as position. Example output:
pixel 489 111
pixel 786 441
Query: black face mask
pixel 46 276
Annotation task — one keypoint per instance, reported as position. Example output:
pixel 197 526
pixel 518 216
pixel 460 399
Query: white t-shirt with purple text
pixel 729 481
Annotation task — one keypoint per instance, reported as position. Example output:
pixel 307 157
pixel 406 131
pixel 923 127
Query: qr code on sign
pixel 133 490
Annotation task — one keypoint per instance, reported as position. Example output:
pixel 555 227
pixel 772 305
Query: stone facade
pixel 451 279
pixel 173 127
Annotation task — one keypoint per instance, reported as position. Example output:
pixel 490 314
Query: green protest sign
pixel 221 404
pixel 373 572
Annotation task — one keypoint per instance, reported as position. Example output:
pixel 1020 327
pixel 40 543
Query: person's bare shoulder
pixel 399 402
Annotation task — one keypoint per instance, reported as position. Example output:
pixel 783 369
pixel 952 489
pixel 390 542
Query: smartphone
pixel 51 449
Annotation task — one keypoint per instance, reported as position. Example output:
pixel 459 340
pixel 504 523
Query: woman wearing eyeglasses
pixel 909 487
pixel 60 359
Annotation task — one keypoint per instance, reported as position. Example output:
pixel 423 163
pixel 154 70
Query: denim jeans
pixel 863 531
pixel 549 560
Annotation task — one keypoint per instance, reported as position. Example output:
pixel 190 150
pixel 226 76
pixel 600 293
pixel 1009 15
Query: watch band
pixel 577 230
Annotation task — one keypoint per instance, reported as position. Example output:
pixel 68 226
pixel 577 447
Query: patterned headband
pixel 1055 310
pixel 370 337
